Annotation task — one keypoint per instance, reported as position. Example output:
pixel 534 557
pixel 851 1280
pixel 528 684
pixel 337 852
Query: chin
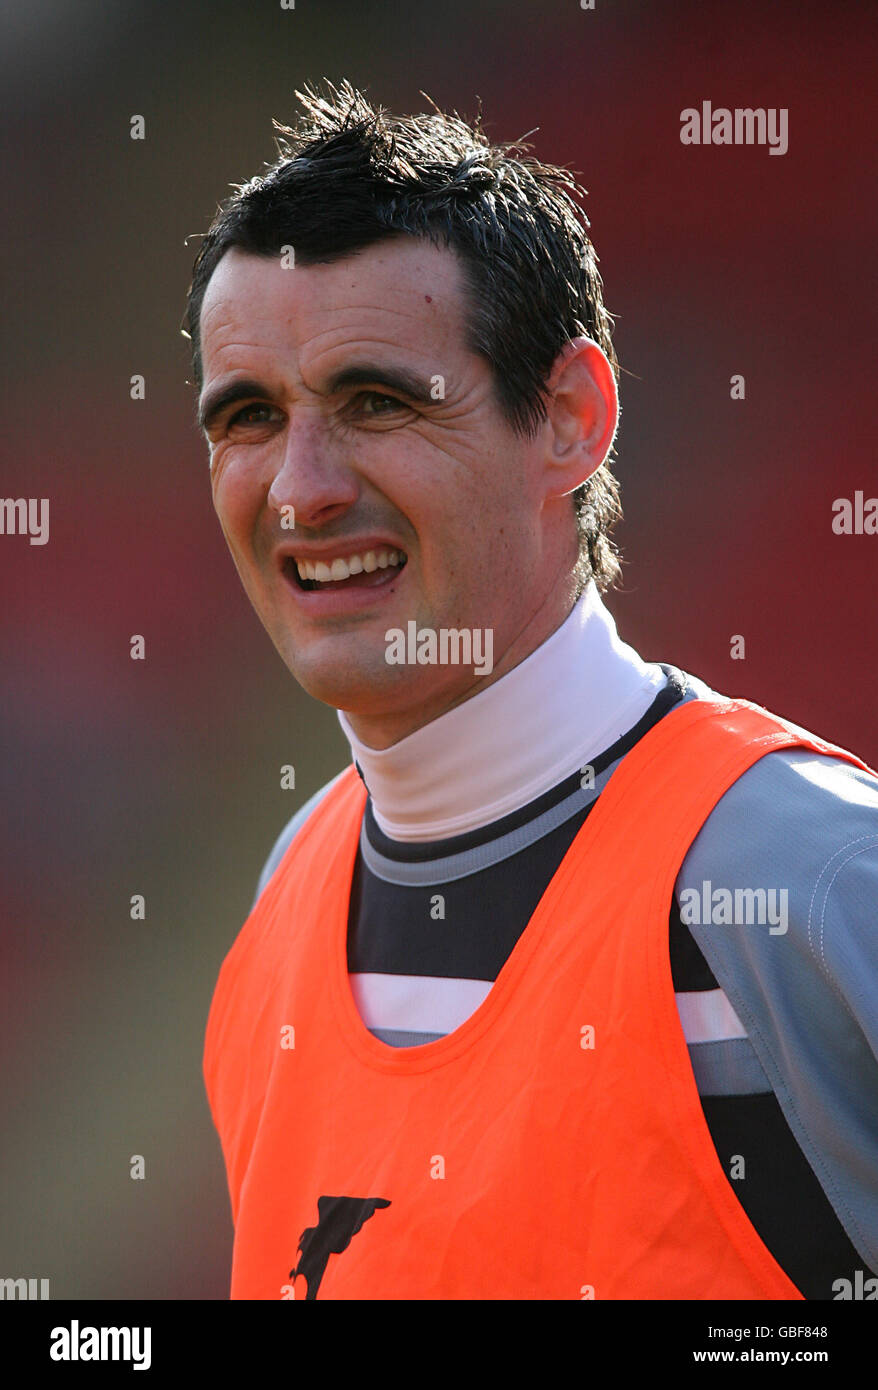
pixel 344 682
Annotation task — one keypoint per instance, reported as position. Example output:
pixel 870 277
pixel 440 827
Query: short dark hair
pixel 349 175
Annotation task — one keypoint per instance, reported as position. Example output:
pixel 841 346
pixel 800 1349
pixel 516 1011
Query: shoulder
pixel 803 828
pixel 289 833
pixel 783 880
pixel 796 819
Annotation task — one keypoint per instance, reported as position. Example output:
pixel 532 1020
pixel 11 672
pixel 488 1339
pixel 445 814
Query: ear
pixel 582 414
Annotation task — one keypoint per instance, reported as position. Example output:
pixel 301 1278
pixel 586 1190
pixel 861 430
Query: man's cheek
pixel 234 504
pixel 235 536
pixel 225 477
pixel 216 465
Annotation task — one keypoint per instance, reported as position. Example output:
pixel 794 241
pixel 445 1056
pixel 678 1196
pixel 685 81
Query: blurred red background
pixel 161 777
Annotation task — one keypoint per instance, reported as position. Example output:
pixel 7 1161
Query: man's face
pixel 426 468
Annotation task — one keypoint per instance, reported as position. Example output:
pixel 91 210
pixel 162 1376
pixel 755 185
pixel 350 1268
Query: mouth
pixel 366 570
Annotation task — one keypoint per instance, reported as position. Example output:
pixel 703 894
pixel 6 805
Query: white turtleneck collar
pixel 558 709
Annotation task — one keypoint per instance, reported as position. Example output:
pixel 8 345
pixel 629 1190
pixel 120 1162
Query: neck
pixel 497 749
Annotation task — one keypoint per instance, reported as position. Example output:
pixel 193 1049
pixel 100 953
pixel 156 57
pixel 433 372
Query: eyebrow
pixel 215 402
pixel 400 379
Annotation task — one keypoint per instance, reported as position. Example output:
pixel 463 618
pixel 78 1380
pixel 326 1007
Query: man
pixel 567 987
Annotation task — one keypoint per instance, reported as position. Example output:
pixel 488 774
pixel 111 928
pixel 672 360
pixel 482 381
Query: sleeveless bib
pixel 551 1147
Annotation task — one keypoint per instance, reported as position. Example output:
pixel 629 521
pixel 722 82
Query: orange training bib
pixel 554 1145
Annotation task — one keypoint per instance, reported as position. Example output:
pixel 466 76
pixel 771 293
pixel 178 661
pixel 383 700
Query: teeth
pixel 340 568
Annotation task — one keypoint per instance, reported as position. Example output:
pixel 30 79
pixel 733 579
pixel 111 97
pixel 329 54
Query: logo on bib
pixel 338 1221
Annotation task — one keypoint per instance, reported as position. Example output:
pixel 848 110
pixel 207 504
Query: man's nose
pixel 313 477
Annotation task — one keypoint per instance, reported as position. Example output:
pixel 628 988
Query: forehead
pixel 400 293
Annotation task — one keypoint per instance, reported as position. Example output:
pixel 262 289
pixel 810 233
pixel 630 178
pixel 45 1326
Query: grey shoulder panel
pixel 798 833
pixel 288 834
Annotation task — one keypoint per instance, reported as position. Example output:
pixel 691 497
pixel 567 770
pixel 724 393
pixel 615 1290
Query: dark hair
pixel 349 175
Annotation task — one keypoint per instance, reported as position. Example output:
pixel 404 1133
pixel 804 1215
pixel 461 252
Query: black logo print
pixel 338 1221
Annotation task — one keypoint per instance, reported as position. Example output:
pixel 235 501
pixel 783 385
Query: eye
pixel 245 415
pixel 381 404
